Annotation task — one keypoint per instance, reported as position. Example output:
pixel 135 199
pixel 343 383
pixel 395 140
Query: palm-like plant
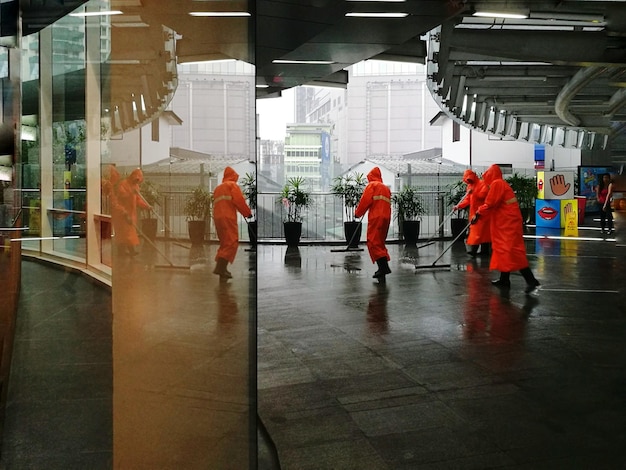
pixel 409 204
pixel 248 183
pixel 349 188
pixel 295 199
pixel 198 204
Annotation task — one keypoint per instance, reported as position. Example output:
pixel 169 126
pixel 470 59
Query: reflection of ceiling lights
pixel 97 13
pixel 377 15
pixel 496 14
pixel 378 1
pixel 219 13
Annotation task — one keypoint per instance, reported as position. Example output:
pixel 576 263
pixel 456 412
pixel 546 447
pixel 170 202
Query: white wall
pixel 481 149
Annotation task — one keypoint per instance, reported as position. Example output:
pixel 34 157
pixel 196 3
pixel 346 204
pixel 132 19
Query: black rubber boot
pixel 503 282
pixel 485 249
pixel 220 269
pixel 383 268
pixel 531 282
pixel 473 250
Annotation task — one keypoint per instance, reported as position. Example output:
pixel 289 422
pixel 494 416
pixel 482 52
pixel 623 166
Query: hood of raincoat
pixel 230 175
pixel 469 177
pixel 375 175
pixel 136 176
pixel 493 173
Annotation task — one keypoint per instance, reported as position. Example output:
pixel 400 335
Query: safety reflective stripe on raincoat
pixel 507 228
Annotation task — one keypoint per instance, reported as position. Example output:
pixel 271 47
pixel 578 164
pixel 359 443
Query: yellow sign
pixel 569 217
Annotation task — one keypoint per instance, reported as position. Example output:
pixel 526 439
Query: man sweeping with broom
pixel 227 200
pixel 377 199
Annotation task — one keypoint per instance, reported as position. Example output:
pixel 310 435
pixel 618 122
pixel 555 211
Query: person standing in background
pixel 479 233
pixel 376 199
pixel 604 194
pixel 227 200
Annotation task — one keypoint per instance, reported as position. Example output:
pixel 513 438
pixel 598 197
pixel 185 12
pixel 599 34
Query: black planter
pixel 196 229
pixel 293 232
pixel 149 228
pixel 252 227
pixel 352 232
pixel 410 231
pixel 458 226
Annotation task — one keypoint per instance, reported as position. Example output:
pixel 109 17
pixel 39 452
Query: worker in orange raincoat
pixel 125 198
pixel 227 200
pixel 507 233
pixel 479 233
pixel 376 199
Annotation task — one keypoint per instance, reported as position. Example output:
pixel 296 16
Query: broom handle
pixel 453 242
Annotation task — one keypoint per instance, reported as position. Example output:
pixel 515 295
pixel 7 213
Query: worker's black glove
pixel 475 219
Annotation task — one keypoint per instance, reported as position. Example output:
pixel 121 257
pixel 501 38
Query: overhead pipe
pixel 579 81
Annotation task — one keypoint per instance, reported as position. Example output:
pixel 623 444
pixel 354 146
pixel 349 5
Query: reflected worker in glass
pixel 227 201
pixel 125 199
pixel 376 199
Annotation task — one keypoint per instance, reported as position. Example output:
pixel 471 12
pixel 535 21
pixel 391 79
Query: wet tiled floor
pixel 437 368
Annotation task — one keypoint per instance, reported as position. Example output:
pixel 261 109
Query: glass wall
pixel 104 187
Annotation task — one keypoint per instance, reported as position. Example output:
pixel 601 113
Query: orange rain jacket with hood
pixel 377 199
pixel 227 200
pixel 125 198
pixel 507 229
pixel 474 198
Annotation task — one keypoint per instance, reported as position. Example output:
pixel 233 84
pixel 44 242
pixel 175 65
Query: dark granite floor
pixel 59 405
pixel 435 369
pixel 438 369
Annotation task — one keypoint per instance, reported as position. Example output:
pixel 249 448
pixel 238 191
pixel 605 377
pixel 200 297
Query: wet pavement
pixel 438 369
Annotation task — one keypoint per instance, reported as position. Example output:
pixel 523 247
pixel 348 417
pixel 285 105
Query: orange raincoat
pixel 507 230
pixel 474 198
pixel 125 198
pixel 377 199
pixel 227 200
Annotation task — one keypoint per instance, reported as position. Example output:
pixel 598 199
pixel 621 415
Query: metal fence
pixel 322 221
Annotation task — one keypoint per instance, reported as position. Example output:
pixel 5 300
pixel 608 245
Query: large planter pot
pixel 458 226
pixel 196 228
pixel 252 227
pixel 149 228
pixel 411 231
pixel 293 232
pixel 352 232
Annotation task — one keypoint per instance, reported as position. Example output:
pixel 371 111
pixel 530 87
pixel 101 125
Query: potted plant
pixel 409 210
pixel 525 189
pixel 349 188
pixel 249 189
pixel 197 209
pixel 455 193
pixel 294 199
pixel 151 195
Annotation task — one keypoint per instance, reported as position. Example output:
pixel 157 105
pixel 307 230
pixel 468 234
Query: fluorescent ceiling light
pixel 262 86
pixel 377 15
pixel 494 14
pixel 97 13
pixel 307 62
pixel 219 13
pixel 379 1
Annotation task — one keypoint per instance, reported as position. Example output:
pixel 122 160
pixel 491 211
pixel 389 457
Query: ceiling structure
pixel 555 74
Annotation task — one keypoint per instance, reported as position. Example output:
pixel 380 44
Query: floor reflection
pixel 377 316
